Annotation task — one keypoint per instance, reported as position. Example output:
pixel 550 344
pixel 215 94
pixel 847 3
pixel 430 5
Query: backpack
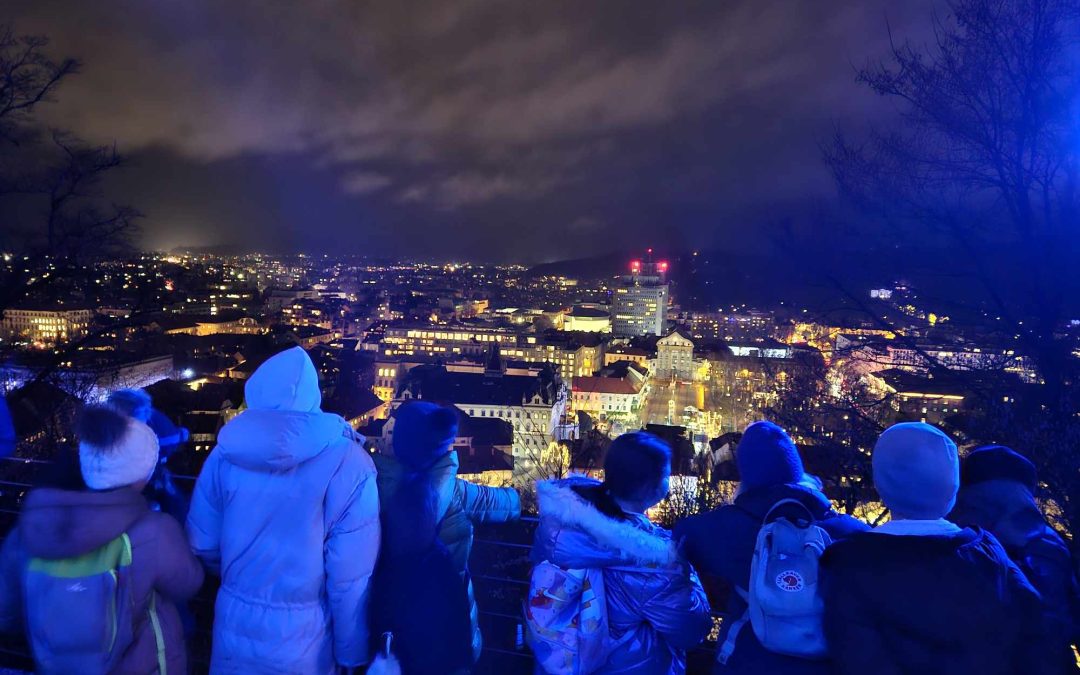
pixel 567 619
pixel 783 603
pixel 79 610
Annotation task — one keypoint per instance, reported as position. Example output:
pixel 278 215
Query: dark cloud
pixel 496 130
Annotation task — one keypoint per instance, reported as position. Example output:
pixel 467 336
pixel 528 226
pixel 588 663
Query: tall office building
pixel 639 306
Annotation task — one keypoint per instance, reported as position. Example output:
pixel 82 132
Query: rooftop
pixel 435 383
pixel 605 385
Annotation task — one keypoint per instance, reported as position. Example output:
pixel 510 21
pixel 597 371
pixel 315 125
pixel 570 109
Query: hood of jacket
pixel 1004 507
pixel 63 524
pixel 442 473
pixel 275 440
pixel 286 381
pixel 585 536
pixel 758 501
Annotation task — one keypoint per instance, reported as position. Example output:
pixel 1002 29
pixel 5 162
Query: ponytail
pixel 408 517
pixel 601 498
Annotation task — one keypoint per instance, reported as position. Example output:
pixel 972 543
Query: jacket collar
pixel 757 501
pixel 638 541
pixel 918 528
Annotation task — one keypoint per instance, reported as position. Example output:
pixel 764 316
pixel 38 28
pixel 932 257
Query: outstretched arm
pixel 488 504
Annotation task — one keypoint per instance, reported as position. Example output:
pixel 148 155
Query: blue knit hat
pixel 766 455
pixel 423 432
pixel 916 470
pixel 997 462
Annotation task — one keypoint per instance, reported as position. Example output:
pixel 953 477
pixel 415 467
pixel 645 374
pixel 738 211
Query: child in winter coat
pixel 919 594
pixel 286 509
pixel 62 533
pixel 422 458
pixel 721 543
pixel 656 607
pixel 997 493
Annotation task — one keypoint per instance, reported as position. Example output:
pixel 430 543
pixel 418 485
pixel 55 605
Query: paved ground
pixel 657 406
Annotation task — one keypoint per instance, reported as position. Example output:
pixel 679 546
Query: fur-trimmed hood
pixel 574 534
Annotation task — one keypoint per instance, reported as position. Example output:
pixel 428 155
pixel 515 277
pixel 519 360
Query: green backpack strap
pixel 115 554
pixel 159 635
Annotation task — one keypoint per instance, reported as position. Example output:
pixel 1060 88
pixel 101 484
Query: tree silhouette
pixel 984 159
pixel 56 213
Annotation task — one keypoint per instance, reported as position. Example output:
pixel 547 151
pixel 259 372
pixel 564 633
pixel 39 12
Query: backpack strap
pixel 724 652
pixel 785 508
pixel 159 635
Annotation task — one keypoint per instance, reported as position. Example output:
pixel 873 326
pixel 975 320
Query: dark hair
pixel 408 517
pixel 101 426
pixel 409 522
pixel 635 464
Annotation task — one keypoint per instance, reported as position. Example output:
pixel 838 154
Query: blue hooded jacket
pixel 287 509
pixel 656 607
pixel 721 545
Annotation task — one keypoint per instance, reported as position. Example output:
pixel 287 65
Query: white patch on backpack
pixel 790 581
pixel 76 587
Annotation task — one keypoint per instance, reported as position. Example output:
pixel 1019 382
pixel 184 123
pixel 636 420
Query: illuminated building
pixel 219 324
pixel 639 302
pixel 921 357
pixel 533 404
pixel 607 396
pixel 720 325
pixel 588 320
pixel 92 375
pixel 675 357
pixel 626 353
pixel 576 354
pixel 277 298
pixel 390 371
pixel 923 399
pixel 46 326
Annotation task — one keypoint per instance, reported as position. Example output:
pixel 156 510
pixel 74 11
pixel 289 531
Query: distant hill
pixel 831 279
pixel 596 267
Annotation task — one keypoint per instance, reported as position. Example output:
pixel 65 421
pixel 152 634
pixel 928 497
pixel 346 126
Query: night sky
pixel 487 130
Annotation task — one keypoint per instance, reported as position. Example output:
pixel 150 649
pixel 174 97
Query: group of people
pixel 319 551
pixel 330 557
pixel 966 577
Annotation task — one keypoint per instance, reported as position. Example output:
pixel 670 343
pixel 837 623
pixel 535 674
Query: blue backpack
pixel 783 604
pixel 79 616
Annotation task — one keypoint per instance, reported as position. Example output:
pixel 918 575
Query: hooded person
pixel 161 491
pixel 721 543
pixel 61 534
pixel 286 510
pixel 655 606
pixel 422 459
pixel 919 594
pixel 997 493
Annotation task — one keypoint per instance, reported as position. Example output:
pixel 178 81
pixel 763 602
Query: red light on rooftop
pixel 663 266
pixel 650 251
pixel 635 265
